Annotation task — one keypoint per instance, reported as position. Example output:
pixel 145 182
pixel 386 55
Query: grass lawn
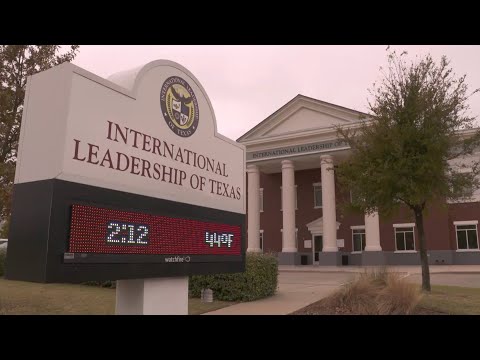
pixel 451 300
pixel 25 298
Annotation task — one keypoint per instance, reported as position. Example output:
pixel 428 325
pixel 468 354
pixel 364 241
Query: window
pixel 473 196
pixel 358 238
pixel 317 195
pixel 464 164
pixel 467 235
pixel 281 195
pixel 404 237
pixel 261 200
pixel 354 196
pixel 261 239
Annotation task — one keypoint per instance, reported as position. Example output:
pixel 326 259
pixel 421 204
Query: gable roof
pixel 296 99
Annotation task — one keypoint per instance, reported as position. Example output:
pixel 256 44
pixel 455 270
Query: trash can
pixel 206 295
pixel 303 260
pixel 344 260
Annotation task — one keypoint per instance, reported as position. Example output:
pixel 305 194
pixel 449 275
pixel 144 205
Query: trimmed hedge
pixel 4 229
pixel 3 257
pixel 259 280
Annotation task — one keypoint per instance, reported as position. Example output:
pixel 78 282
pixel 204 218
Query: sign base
pixel 158 296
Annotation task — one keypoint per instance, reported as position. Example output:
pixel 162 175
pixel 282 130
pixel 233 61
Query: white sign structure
pixel 122 134
pixel 149 131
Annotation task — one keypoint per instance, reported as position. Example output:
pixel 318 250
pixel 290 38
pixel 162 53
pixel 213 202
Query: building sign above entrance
pixel 303 149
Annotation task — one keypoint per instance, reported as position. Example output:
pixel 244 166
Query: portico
pixel 325 226
pixel 300 140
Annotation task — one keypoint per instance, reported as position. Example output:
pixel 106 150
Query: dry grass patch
pixel 376 292
pixel 398 297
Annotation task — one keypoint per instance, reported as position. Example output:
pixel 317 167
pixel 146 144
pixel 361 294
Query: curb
pixel 318 271
pixel 463 272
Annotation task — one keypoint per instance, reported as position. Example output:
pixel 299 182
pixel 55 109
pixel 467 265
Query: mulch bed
pixel 321 308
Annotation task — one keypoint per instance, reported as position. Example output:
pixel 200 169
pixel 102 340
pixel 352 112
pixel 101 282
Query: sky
pixel 246 84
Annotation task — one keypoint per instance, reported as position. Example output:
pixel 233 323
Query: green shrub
pixel 4 229
pixel 3 257
pixel 259 280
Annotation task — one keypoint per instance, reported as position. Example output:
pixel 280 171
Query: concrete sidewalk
pixel 295 291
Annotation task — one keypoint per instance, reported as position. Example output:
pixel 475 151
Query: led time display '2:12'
pixel 127 233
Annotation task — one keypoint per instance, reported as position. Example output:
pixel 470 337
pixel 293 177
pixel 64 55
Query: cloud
pixel 248 83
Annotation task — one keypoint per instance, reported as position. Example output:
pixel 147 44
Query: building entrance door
pixel 317 247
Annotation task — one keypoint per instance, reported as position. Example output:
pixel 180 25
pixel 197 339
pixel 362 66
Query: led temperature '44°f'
pixel 219 239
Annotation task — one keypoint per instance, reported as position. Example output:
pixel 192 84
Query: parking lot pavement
pixel 295 291
pixel 452 279
pixel 313 278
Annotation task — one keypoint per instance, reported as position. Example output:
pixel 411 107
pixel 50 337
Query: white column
pixel 328 204
pixel 288 206
pixel 156 296
pixel 253 208
pixel 372 232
